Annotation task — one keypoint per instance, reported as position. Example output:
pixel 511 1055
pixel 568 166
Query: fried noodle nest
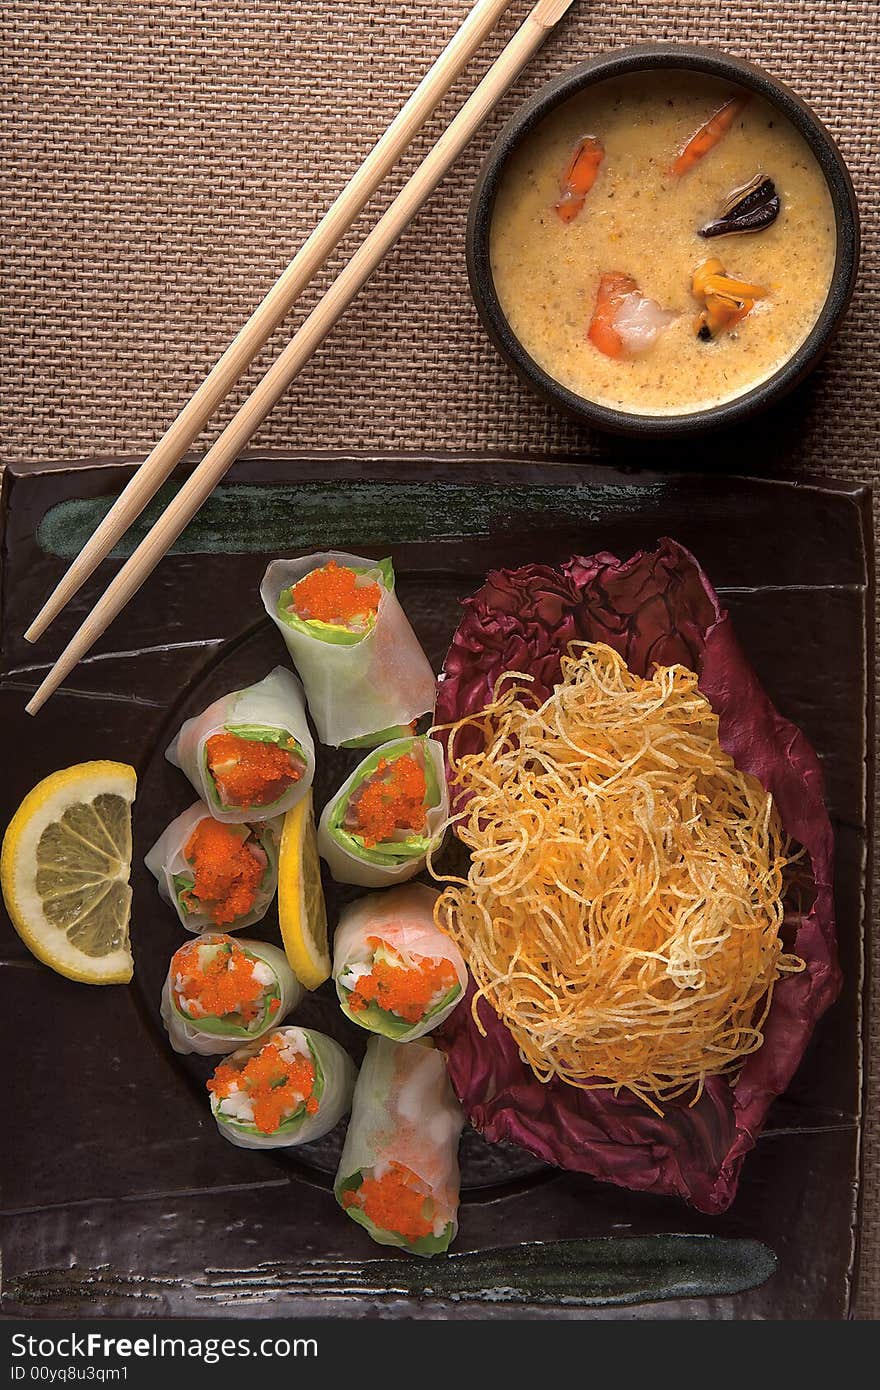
pixel 623 905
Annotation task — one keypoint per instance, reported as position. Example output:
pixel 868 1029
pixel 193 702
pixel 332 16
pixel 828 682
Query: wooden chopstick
pixel 219 458
pixel 275 307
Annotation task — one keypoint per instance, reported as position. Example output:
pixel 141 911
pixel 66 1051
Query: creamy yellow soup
pixel 640 220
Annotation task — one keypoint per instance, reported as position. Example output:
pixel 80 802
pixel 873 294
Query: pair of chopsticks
pixel 485 14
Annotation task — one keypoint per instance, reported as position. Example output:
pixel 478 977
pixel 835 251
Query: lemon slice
pixel 302 912
pixel 65 867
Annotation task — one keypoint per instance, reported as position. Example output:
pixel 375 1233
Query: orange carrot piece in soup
pixel 579 177
pixel 708 136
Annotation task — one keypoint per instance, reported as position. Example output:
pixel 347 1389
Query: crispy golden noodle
pixel 623 904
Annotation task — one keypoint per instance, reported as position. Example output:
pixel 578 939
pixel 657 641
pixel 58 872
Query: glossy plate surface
pixel 119 1196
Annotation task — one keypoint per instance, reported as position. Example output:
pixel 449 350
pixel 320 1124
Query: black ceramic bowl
pixel 617 64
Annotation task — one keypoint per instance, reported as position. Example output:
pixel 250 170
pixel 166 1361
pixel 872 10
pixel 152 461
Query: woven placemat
pixel 162 161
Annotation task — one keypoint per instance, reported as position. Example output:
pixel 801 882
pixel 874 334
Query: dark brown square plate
pixel 118 1194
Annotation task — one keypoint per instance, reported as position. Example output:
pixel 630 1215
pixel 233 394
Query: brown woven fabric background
pixel 164 160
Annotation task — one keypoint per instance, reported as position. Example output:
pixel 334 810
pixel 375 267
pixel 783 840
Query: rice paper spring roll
pixel 221 992
pixel 365 675
pixel 398 1176
pixel 396 972
pixel 382 823
pixel 250 754
pixel 213 874
pixel 287 1089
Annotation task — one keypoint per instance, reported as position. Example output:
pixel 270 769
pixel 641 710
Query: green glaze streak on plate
pixel 586 1273
pixel 597 1272
pixel 248 518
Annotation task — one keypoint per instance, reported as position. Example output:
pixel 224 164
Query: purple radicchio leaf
pixel 656 607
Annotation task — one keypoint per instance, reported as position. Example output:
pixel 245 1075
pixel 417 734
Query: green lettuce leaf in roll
pixel 388 816
pixel 398 1175
pixel 381 736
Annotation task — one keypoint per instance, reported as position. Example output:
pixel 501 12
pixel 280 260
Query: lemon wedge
pixel 302 912
pixel 64 871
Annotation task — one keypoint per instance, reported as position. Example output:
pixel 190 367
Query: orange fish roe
pixel 277 1088
pixel 226 874
pixel 332 595
pixel 250 773
pixel 226 985
pixel 407 991
pixel 393 1202
pixel 393 798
